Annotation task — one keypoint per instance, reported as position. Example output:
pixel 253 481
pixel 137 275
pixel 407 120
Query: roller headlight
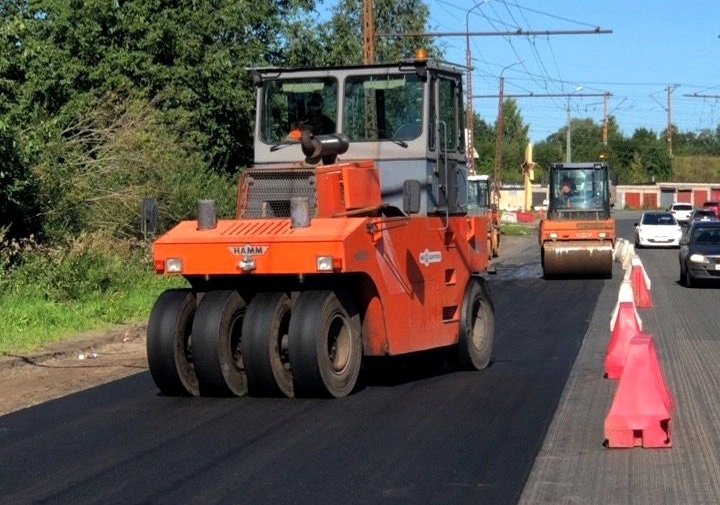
pixel 324 263
pixel 174 265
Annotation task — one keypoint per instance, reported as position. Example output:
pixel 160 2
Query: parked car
pixel 714 205
pixel 700 253
pixel 681 211
pixel 659 229
pixel 703 215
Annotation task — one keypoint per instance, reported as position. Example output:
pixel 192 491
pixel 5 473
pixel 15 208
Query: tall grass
pixel 89 283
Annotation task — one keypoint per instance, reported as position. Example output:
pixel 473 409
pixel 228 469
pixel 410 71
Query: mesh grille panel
pixel 268 192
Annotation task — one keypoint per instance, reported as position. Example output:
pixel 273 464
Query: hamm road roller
pixel 578 235
pixel 351 239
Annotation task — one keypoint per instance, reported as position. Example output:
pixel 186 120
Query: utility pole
pixel 499 129
pixel 368 32
pixel 669 120
pixel 371 125
pixel 606 99
pixel 469 113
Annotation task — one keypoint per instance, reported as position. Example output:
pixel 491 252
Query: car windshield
pixel 682 206
pixel 706 235
pixel 659 219
pixel 289 103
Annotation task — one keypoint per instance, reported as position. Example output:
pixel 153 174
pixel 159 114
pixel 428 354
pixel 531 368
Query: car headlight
pixel 698 258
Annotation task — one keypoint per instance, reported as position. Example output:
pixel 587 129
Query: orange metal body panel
pixel 419 266
pixel 346 187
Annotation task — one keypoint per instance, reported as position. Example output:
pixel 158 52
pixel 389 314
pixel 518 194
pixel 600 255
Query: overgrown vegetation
pixel 88 281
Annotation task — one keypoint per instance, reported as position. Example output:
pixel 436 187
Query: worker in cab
pixel 316 119
pixel 567 189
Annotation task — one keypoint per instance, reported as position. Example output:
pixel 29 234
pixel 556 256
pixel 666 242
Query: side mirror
pixel 411 196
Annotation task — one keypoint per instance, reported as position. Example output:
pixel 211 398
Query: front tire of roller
pixel 325 344
pixel 216 344
pixel 477 327
pixel 169 343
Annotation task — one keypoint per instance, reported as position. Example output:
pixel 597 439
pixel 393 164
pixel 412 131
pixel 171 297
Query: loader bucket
pixel 577 258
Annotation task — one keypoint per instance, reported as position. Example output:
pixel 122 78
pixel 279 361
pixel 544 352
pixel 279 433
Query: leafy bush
pixel 81 268
pixel 94 176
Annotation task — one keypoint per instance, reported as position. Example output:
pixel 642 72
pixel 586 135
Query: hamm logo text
pixel 248 250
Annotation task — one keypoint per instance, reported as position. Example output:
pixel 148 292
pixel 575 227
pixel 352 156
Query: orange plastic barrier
pixel 641 285
pixel 627 325
pixel 640 414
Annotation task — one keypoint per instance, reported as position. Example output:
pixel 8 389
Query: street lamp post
pixel 499 131
pixel 469 115
pixel 568 142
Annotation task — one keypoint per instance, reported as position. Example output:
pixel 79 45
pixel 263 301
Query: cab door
pixel 446 144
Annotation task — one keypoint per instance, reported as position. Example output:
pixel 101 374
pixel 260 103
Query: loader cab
pixel 479 194
pixel 579 191
pixel 407 117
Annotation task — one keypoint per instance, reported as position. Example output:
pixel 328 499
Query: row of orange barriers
pixel 641 411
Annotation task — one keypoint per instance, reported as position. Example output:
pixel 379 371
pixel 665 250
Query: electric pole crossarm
pixel 519 32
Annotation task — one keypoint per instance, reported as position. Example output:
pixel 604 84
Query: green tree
pixel 514 142
pixel 484 145
pixel 190 63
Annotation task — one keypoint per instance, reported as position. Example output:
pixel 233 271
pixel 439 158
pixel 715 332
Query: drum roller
pixel 577 258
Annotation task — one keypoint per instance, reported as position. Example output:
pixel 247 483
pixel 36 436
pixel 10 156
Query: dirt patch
pixel 79 363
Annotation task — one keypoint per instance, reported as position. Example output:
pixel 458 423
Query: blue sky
pixel 654 45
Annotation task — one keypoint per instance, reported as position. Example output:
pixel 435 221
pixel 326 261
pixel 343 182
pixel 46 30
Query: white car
pixel 681 211
pixel 657 229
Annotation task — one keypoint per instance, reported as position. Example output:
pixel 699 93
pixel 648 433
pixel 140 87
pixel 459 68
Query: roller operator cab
pixel 351 239
pixel 578 235
pixel 480 203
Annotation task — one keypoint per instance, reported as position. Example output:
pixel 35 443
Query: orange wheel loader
pixel 344 245
pixel 578 235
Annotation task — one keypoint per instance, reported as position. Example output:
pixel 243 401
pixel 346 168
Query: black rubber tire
pixel 325 344
pixel 688 281
pixel 265 345
pixel 217 352
pixel 169 343
pixel 477 327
